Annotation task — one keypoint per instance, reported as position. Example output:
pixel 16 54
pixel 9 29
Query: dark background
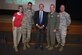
pixel 73 7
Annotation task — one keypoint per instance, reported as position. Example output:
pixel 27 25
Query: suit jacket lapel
pixel 43 16
pixel 38 15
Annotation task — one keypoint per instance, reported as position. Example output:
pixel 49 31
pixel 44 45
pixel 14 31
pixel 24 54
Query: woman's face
pixel 20 9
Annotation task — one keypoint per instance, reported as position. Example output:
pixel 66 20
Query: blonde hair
pixel 52 5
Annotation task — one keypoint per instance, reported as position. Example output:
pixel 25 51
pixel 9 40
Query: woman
pixel 16 24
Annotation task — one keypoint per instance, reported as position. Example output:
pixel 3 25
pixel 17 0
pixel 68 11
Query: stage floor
pixel 7 49
pixel 73 44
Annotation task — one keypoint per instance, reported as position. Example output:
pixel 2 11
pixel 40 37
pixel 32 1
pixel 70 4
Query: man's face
pixel 29 6
pixel 62 8
pixel 41 7
pixel 52 8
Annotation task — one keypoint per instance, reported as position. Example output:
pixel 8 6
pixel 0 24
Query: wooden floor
pixel 6 20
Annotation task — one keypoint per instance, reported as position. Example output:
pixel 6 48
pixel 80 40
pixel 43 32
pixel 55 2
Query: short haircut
pixel 52 5
pixel 41 4
pixel 62 5
pixel 30 3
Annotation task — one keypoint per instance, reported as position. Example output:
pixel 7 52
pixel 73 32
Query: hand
pixel 42 27
pixel 54 30
pixel 58 16
pixel 13 28
pixel 39 27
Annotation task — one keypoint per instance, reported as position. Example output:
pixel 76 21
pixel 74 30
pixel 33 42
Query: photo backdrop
pixel 13 4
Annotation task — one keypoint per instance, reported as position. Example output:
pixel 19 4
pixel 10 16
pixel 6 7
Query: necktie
pixel 41 16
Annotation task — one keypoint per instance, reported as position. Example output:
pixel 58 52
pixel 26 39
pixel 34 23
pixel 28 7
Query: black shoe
pixel 41 47
pixel 37 46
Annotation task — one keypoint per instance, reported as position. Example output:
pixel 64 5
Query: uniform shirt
pixel 52 20
pixel 28 18
pixel 64 19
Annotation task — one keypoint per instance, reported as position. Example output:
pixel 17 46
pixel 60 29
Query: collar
pixel 18 13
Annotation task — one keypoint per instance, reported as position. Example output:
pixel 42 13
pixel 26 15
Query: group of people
pixel 55 23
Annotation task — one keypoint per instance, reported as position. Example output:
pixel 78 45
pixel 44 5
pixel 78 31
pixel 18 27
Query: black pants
pixel 39 37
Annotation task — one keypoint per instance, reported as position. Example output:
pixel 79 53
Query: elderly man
pixel 27 25
pixel 65 21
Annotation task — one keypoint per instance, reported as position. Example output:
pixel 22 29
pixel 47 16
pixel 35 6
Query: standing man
pixel 52 27
pixel 27 25
pixel 40 19
pixel 65 21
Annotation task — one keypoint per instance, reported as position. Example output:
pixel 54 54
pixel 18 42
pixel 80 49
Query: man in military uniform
pixel 27 25
pixel 65 21
pixel 51 27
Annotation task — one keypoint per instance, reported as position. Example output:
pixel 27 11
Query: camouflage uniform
pixel 62 30
pixel 27 24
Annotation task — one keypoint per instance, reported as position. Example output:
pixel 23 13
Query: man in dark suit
pixel 40 20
